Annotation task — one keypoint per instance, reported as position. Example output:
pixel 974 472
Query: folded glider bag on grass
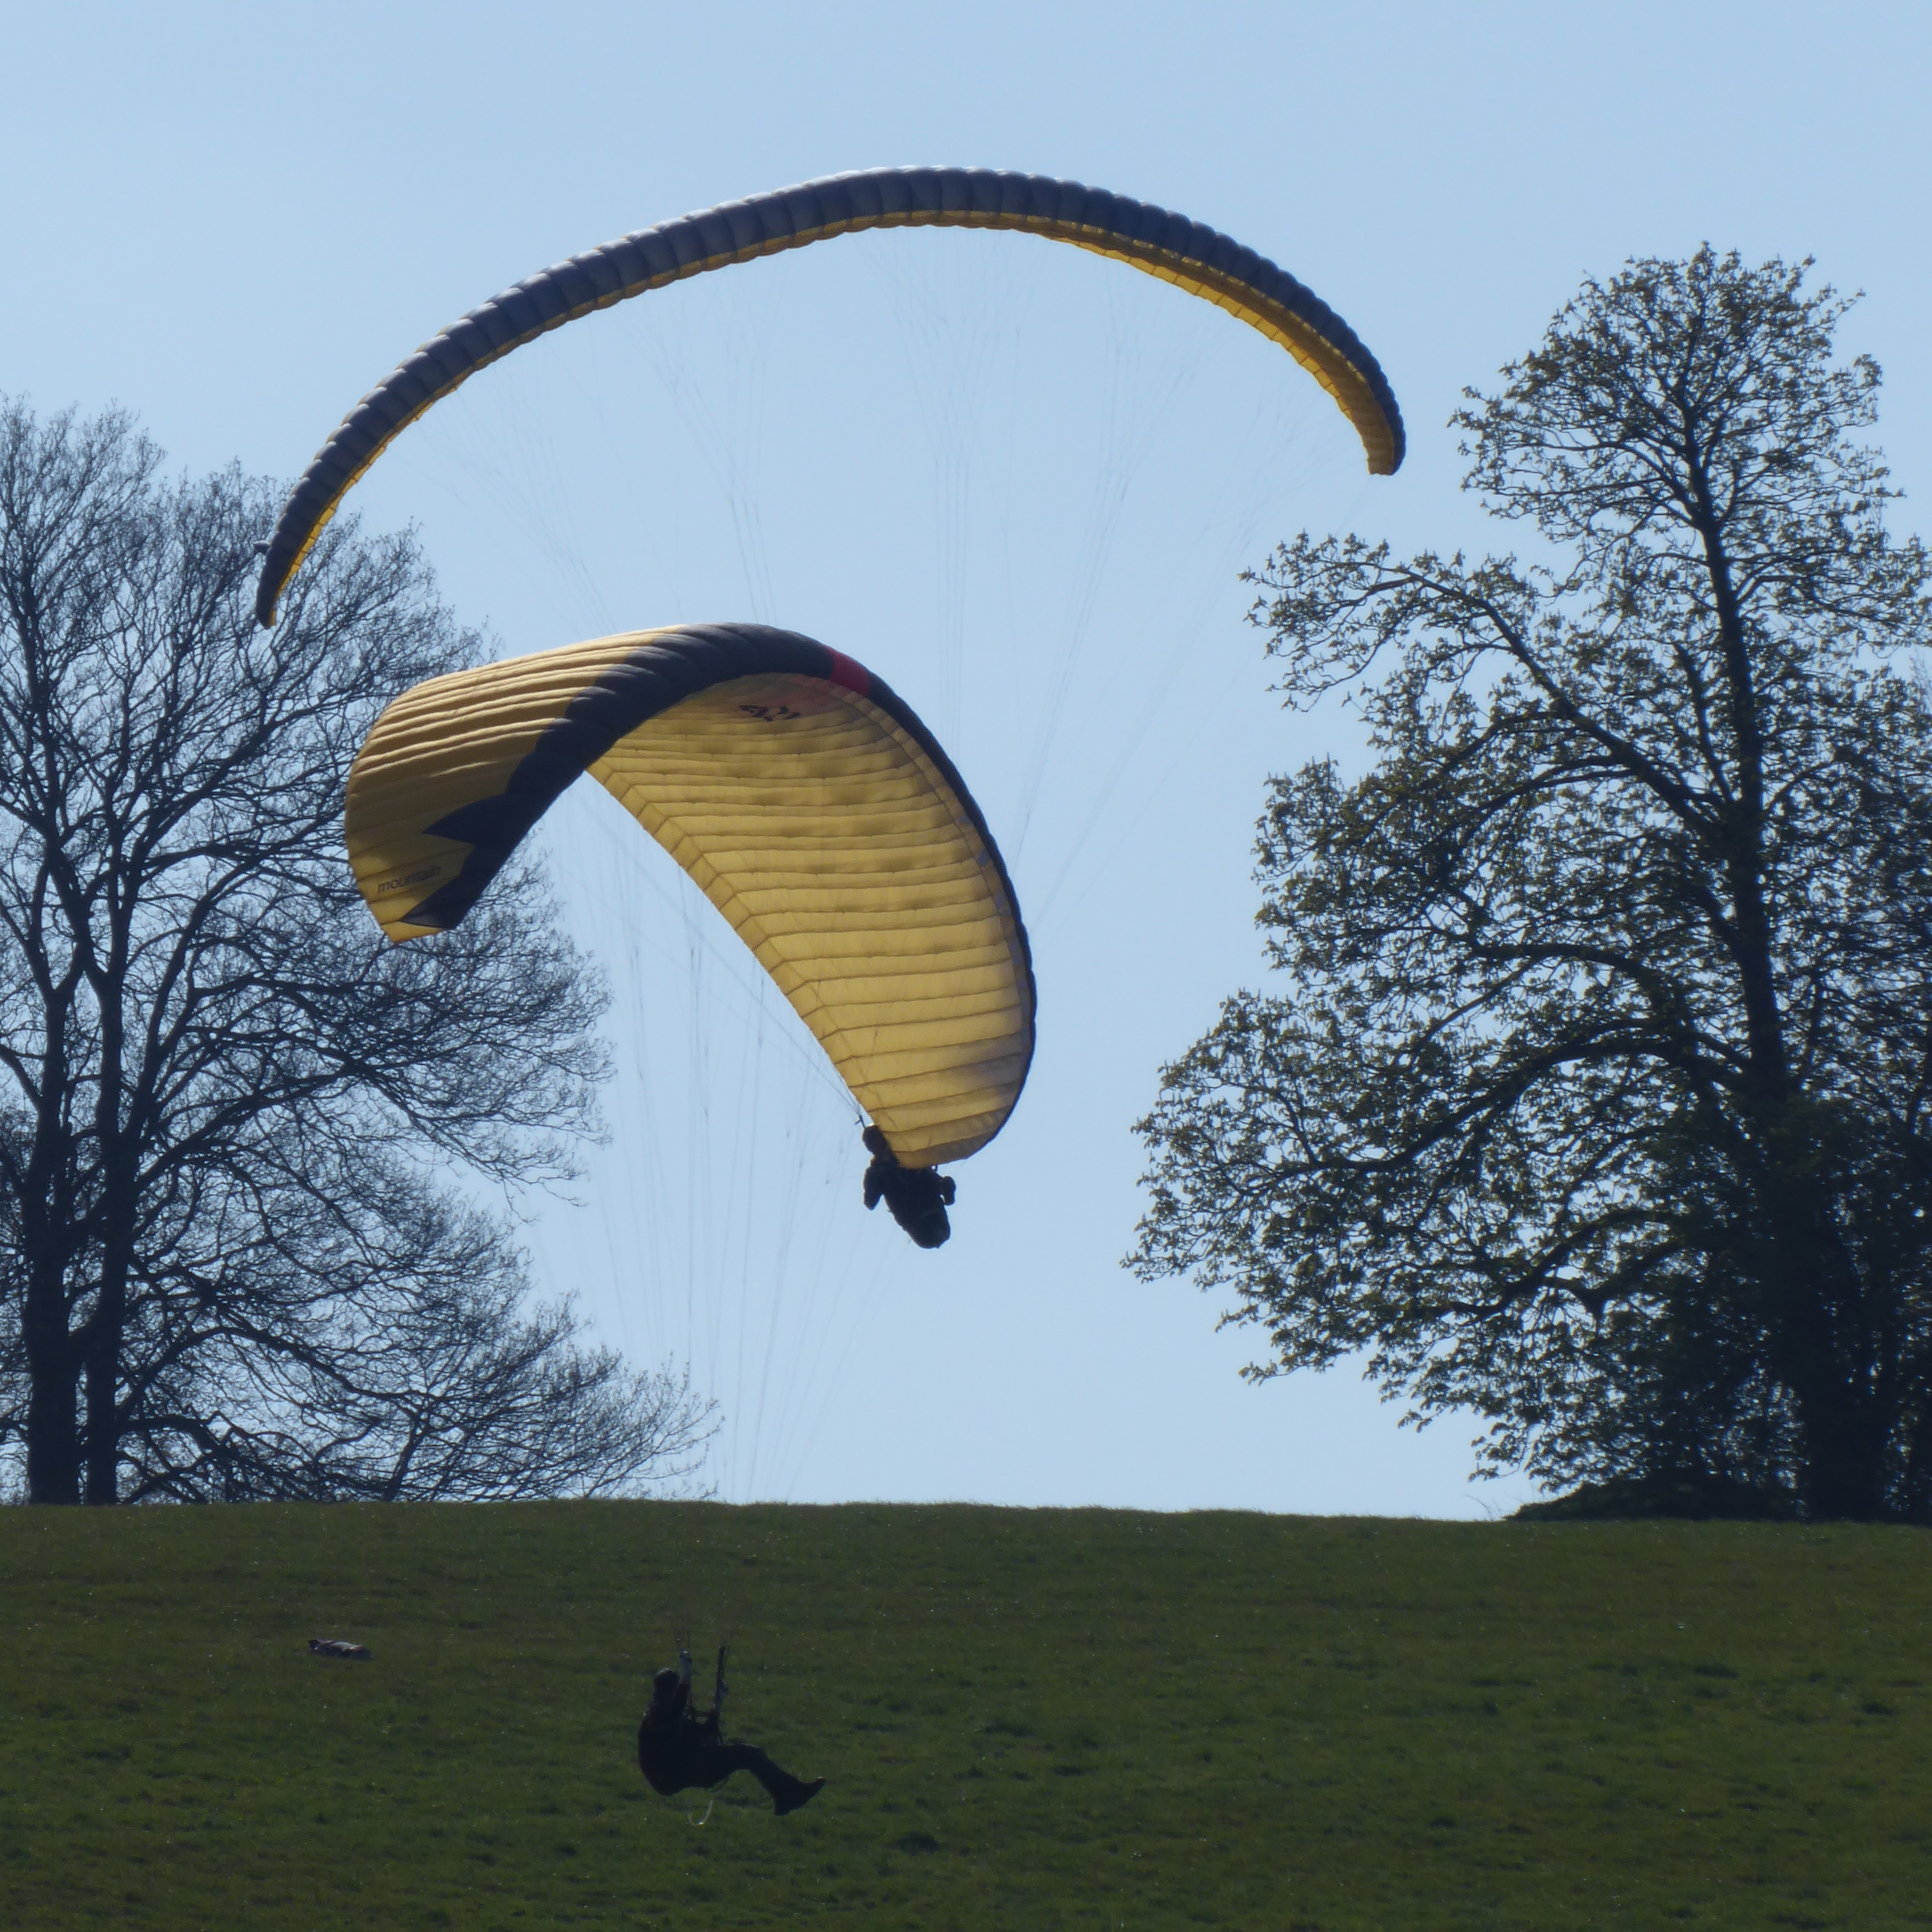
pixel 1193 257
pixel 800 793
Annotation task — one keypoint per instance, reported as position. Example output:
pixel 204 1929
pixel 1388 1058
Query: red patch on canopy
pixel 849 673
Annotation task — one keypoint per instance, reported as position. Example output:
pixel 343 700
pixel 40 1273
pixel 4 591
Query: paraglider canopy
pixel 799 792
pixel 1192 256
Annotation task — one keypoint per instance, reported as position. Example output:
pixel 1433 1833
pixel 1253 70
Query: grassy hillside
pixel 1028 1719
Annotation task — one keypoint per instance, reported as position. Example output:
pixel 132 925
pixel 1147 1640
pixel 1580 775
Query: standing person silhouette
pixel 677 1750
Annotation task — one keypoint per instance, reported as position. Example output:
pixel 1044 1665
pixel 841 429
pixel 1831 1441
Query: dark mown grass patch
pixel 1027 1718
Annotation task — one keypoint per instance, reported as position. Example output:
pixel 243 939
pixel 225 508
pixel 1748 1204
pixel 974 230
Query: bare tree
pixel 450 1385
pixel 230 1238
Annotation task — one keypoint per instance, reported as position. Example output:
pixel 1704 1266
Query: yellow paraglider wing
pixel 800 793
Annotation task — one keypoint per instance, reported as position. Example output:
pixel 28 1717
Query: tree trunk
pixel 1844 1458
pixel 104 1363
pixel 1820 1346
pixel 53 1435
pixel 105 1332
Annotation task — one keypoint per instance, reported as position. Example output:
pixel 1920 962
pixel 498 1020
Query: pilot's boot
pixel 790 1793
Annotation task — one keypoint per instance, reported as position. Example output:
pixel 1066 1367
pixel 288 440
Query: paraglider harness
pixel 918 1196
pixel 677 1750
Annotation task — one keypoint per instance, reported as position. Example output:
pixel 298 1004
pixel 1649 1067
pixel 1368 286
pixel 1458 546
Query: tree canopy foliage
pixel 234 1257
pixel 1593 1093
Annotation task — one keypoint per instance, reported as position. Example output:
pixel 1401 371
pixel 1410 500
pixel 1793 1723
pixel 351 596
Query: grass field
pixel 1026 1718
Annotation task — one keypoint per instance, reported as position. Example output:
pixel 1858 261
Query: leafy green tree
pixel 1594 1096
pixel 231 1262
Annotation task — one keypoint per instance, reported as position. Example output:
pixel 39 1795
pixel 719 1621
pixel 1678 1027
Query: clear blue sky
pixel 1018 481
